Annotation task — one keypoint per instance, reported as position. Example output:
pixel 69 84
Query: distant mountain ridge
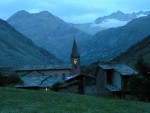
pixel 107 44
pixel 17 50
pixel 49 31
pixel 122 16
pixel 113 20
pixel 57 36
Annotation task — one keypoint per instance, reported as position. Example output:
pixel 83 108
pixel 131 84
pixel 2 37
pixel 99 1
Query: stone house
pixel 81 84
pixel 114 80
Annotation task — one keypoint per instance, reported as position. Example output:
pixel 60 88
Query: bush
pixel 13 79
pixel 7 80
pixel 55 87
pixel 2 80
pixel 140 84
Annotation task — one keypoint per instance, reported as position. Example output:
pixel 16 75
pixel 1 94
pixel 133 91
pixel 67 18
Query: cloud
pixel 86 18
pixel 76 11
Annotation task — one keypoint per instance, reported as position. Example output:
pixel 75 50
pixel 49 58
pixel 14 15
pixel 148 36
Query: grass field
pixel 29 101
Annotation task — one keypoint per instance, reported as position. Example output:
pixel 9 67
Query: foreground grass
pixel 29 101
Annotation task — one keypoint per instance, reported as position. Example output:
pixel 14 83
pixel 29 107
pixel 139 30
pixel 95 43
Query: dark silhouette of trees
pixel 2 80
pixel 140 84
pixel 55 87
pixel 7 80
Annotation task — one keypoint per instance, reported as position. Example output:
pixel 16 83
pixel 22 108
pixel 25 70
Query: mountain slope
pixel 17 50
pixel 139 49
pixel 107 44
pixel 48 31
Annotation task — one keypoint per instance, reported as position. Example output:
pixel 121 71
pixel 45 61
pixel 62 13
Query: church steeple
pixel 75 59
pixel 75 53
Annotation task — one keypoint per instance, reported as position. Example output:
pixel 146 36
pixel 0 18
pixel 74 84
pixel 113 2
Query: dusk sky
pixel 74 11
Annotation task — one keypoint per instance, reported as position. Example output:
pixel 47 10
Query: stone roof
pixel 69 80
pixel 75 76
pixel 121 68
pixel 112 88
pixel 45 67
pixel 71 77
pixel 38 81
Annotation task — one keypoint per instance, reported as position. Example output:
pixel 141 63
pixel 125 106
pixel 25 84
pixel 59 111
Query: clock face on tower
pixel 75 61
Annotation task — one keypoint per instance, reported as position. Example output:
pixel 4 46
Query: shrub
pixel 13 79
pixel 55 87
pixel 7 80
pixel 2 80
pixel 140 84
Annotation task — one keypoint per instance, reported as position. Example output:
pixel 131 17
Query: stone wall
pixel 69 89
pixel 100 84
pixel 90 90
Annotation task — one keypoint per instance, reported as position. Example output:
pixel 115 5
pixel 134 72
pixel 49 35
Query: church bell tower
pixel 75 59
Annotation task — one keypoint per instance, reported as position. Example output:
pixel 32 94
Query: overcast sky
pixel 74 11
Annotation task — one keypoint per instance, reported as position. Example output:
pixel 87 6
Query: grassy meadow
pixel 31 101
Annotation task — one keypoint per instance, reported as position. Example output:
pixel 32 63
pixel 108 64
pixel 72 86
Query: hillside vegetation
pixel 30 101
pixel 108 44
pixel 140 49
pixel 48 31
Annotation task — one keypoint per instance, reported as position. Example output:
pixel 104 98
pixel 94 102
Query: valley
pixel 74 56
pixel 48 31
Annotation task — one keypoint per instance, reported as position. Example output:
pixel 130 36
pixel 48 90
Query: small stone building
pixel 81 84
pixel 114 80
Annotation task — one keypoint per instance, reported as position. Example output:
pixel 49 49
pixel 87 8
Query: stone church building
pixel 55 70
pixel 33 75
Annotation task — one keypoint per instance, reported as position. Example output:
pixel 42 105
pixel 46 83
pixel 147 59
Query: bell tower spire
pixel 75 59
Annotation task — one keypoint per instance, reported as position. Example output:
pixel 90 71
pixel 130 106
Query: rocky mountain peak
pixel 21 13
pixel 45 14
pixel 118 13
